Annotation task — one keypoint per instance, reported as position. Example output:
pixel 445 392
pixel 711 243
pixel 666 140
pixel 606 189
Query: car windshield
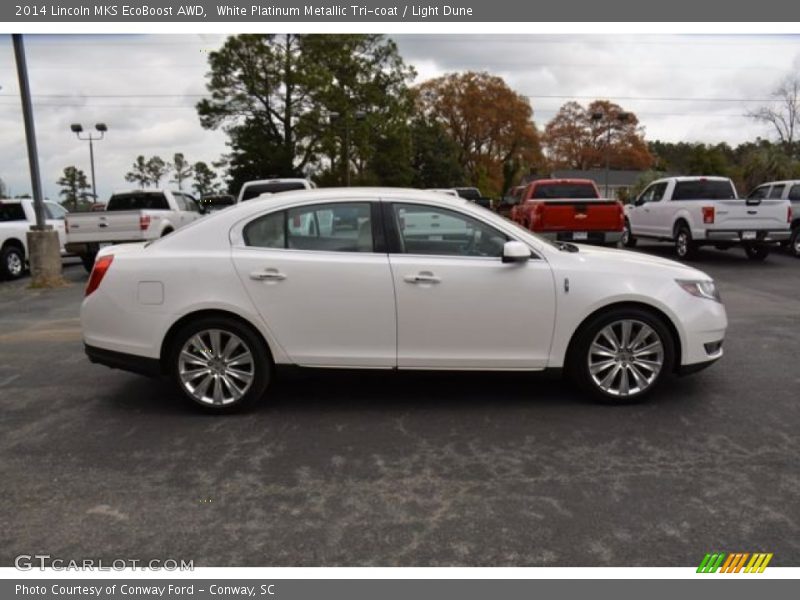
pixel 274 187
pixel 564 190
pixel 138 201
pixel 704 189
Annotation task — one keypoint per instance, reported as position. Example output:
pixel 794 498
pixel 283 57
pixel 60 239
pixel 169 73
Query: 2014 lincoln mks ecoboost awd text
pixel 392 279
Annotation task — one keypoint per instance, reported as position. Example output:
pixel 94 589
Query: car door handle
pixel 267 275
pixel 423 277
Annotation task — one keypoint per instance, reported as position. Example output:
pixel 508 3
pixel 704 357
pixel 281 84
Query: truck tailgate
pixel 570 214
pixel 738 215
pixel 110 226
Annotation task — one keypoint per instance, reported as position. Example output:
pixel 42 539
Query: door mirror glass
pixel 515 251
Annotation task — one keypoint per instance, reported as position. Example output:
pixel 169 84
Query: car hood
pixel 602 258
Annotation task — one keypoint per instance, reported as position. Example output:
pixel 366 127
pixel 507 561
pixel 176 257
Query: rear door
pixel 293 261
pixel 457 301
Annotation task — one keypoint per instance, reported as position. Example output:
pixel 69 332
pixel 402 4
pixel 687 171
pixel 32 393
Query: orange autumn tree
pixel 491 124
pixel 574 140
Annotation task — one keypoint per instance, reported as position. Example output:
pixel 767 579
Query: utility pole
pixel 43 244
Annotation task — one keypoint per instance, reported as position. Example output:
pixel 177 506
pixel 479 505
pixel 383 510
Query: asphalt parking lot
pixel 344 469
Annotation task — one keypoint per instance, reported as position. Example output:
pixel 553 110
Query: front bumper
pixel 740 235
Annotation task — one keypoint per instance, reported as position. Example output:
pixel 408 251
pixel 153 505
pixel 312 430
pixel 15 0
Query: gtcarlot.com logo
pixel 28 562
pixel 734 562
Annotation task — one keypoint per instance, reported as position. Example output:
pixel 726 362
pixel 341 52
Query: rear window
pixel 251 191
pixel 138 201
pixel 11 212
pixel 704 189
pixel 564 190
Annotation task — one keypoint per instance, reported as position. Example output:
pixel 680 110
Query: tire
pixel 210 383
pixel 12 262
pixel 87 260
pixel 166 232
pixel 627 240
pixel 593 359
pixel 685 247
pixel 794 243
pixel 758 253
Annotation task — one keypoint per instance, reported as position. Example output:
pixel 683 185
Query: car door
pixel 457 302
pixel 325 293
pixel 657 211
pixel 639 212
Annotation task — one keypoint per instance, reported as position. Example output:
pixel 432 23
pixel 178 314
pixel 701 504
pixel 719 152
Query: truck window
pixel 138 201
pixel 759 193
pixel 704 189
pixel 564 190
pixel 794 193
pixel 275 187
pixel 658 191
pixel 776 192
pixel 11 212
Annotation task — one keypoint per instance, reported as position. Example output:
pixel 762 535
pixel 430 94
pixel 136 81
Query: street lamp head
pixel 101 127
pixel 76 127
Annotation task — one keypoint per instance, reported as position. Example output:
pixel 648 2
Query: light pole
pixel 335 117
pixel 621 118
pixel 77 129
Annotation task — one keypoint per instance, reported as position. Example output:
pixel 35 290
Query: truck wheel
pixel 626 239
pixel 794 243
pixel 12 262
pixel 621 355
pixel 756 252
pixel 220 364
pixel 685 247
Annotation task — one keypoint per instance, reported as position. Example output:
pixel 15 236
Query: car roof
pixel 276 180
pixel 781 182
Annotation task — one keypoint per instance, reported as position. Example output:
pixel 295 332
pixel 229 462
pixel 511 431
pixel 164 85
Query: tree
pixel 139 172
pixel 784 113
pixel 574 140
pixel 204 180
pixel 434 156
pixel 274 96
pixel 157 168
pixel 73 185
pixel 181 168
pixel 489 122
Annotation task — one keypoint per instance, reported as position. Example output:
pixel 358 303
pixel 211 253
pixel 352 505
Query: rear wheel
pixel 622 355
pixel 794 243
pixel 685 247
pixel 626 239
pixel 12 262
pixel 220 364
pixel 756 252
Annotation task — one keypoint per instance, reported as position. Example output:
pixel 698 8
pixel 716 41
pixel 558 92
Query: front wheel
pixel 220 364
pixel 756 252
pixel 626 239
pixel 794 243
pixel 622 355
pixel 12 262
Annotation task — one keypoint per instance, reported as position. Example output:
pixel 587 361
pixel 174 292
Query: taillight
pixel 101 265
pixel 144 222
pixel 708 214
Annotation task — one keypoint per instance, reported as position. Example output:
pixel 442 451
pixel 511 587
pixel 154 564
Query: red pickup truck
pixel 569 210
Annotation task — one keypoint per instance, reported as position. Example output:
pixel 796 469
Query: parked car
pixel 784 190
pixel 16 218
pixel 130 216
pixel 569 210
pixel 254 189
pixel 473 194
pixel 512 198
pixel 696 211
pixel 216 202
pixel 218 305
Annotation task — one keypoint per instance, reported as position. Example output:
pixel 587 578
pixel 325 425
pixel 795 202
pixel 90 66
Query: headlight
pixel 702 289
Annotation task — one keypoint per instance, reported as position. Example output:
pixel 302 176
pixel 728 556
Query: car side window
pixel 776 192
pixel 191 203
pixel 435 231
pixel 181 203
pixel 54 211
pixel 794 193
pixel 759 193
pixel 658 192
pixel 267 231
pixel 342 227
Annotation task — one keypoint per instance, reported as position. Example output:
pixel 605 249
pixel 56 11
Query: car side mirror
pixel 639 201
pixel 515 252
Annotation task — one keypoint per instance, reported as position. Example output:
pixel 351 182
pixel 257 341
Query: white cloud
pixel 145 88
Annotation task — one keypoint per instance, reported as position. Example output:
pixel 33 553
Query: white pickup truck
pixel 696 211
pixel 132 216
pixel 783 190
pixel 16 218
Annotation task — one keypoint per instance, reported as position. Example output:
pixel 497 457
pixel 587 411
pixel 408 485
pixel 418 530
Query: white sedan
pixel 423 281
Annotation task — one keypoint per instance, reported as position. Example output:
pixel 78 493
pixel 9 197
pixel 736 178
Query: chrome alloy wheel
pixel 625 357
pixel 682 243
pixel 14 264
pixel 216 367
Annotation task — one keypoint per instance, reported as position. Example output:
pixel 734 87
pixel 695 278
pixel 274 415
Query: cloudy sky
pixel 682 87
